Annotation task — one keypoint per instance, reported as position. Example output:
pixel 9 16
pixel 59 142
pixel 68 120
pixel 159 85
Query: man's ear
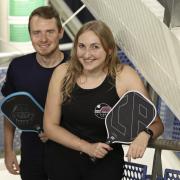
pixel 61 33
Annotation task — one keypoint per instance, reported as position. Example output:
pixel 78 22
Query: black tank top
pixel 84 115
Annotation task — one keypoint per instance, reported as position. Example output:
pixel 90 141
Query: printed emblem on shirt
pixel 101 110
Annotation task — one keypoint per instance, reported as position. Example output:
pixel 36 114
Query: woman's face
pixel 90 51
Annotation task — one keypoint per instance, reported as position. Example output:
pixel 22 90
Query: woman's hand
pixel 138 146
pixel 97 150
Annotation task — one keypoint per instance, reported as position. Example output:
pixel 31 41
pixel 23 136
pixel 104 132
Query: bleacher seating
pixel 134 171
pixel 171 174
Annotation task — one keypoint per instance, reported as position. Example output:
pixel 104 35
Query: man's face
pixel 45 35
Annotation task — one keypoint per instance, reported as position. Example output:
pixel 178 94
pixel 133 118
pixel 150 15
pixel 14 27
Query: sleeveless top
pixel 84 114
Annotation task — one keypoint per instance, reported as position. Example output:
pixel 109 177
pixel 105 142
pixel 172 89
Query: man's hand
pixel 12 163
pixel 43 137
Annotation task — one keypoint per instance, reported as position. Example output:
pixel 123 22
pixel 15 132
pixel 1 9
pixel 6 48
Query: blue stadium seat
pixel 171 174
pixel 134 171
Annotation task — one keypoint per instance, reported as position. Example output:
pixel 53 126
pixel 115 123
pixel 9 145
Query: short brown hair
pixel 46 12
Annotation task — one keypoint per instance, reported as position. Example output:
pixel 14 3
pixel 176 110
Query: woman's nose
pixel 87 53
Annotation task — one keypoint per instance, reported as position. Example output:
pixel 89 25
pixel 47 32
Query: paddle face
pixel 23 111
pixel 131 114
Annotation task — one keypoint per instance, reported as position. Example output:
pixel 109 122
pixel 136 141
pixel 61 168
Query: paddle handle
pixel 94 159
pixel 39 130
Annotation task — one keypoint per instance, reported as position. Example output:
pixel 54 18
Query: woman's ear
pixel 110 52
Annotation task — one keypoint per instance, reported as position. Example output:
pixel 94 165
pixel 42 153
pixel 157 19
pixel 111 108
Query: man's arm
pixel 10 156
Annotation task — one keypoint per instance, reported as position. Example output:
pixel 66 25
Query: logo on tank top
pixel 101 110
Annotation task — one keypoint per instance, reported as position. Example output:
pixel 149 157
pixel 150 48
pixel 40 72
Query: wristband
pixel 149 131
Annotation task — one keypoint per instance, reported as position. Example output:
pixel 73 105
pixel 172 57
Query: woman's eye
pixel 94 47
pixel 81 46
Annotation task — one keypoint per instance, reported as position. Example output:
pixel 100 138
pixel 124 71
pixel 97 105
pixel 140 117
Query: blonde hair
pixel 75 68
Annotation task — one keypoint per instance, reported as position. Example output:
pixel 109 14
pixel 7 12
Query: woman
pixel 93 78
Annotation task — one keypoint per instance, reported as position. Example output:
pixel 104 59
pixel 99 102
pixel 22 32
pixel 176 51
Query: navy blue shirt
pixel 26 74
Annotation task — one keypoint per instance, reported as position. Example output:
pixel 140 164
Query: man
pixel 31 73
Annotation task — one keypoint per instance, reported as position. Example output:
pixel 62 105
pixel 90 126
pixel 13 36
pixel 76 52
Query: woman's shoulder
pixel 125 70
pixel 60 71
pixel 128 79
pixel 127 76
pixel 62 68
